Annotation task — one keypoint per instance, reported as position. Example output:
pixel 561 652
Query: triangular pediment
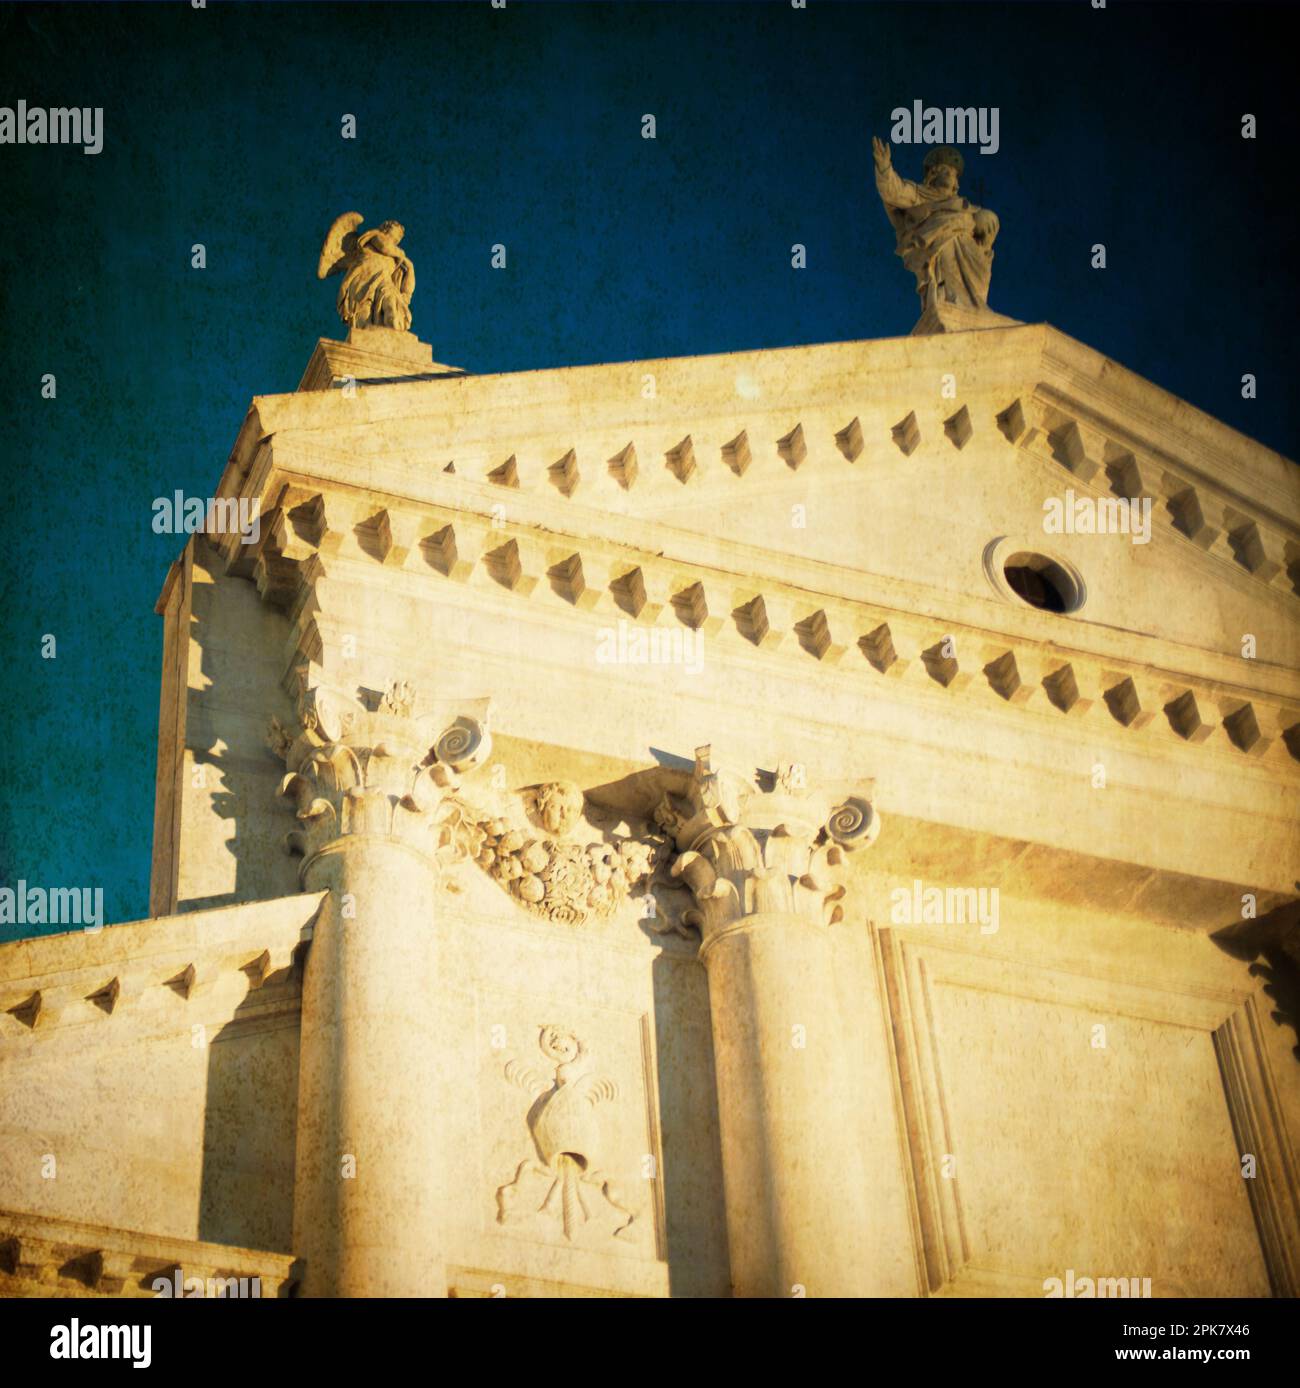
pixel 920 464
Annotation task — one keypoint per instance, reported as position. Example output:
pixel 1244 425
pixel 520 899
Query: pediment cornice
pixel 615 451
pixel 357 486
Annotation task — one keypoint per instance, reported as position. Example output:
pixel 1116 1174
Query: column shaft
pixel 367 1190
pixel 793 1169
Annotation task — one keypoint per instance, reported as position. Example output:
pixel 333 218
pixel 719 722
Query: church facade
pixel 770 824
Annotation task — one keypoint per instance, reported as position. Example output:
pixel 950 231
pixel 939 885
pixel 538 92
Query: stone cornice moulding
pixel 1257 719
pixel 51 985
pixel 42 1256
pixel 1179 430
pixel 1273 499
pixel 559 388
pixel 1042 347
pixel 1248 545
pixel 965 619
pixel 1222 457
pixel 1253 549
pixel 656 546
pixel 530 512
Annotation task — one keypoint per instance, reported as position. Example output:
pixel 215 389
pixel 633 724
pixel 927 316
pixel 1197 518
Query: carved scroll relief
pixel 562 1188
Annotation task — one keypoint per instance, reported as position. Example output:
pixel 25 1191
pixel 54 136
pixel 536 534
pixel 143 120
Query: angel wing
pixel 340 241
pixel 528 1079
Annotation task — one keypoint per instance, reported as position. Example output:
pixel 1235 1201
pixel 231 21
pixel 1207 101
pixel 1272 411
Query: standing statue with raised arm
pixel 378 277
pixel 946 241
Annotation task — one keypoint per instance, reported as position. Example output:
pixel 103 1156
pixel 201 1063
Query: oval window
pixel 1041 582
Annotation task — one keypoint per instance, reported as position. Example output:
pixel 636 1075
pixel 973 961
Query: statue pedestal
pixel 956 318
pixel 372 356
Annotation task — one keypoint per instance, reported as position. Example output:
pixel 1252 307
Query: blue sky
pixel 477 126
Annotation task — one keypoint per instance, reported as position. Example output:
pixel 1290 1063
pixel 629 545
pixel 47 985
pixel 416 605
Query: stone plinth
pixel 372 356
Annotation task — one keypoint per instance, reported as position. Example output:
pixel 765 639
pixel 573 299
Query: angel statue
pixel 378 277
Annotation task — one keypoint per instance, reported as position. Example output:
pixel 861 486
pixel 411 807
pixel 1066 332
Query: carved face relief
pixel 942 178
pixel 557 806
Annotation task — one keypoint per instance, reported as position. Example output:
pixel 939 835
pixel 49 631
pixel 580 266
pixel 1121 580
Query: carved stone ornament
pixel 372 765
pixel 563 1185
pixel 780 849
pixel 534 853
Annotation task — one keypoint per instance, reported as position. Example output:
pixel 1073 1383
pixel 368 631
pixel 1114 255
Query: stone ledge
pixel 54 984
pixel 44 1257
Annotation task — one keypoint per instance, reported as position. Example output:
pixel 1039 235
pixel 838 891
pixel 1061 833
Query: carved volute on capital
pixel 373 765
pixel 778 849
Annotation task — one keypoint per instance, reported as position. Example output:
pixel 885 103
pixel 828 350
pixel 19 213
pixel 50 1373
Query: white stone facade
pixel 621 831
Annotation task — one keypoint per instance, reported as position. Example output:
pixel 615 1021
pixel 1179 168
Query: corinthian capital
pixel 773 846
pixel 382 763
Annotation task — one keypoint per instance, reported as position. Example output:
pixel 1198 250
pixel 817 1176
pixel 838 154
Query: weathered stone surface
pixel 707 872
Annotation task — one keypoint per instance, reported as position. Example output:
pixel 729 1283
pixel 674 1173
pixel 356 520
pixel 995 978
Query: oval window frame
pixel 999 552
